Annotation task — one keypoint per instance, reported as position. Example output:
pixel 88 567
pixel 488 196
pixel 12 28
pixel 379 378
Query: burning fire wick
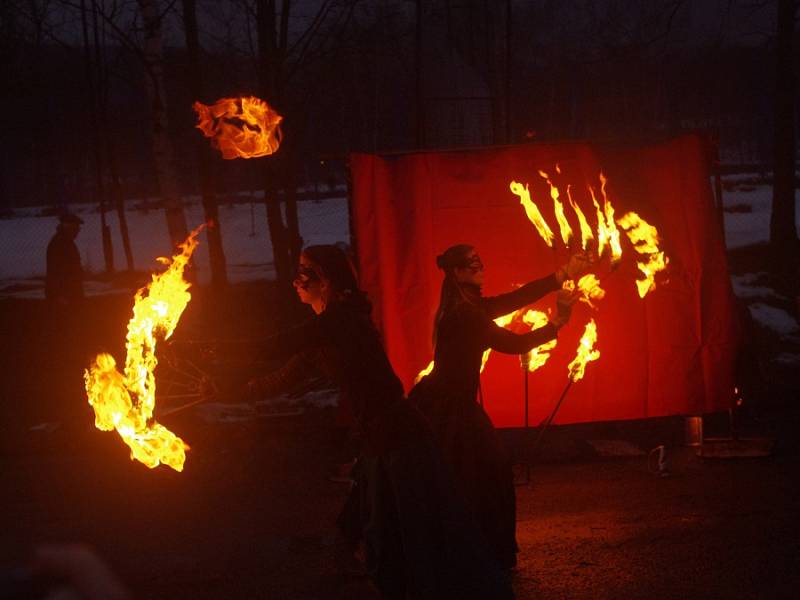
pixel 126 402
pixel 245 127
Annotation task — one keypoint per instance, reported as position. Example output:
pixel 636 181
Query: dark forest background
pixel 97 94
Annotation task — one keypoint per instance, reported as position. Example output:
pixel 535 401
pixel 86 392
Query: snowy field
pixel 24 238
pixel 751 227
pixel 23 241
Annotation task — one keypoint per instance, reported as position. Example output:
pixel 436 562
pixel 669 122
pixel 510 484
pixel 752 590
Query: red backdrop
pixel 669 353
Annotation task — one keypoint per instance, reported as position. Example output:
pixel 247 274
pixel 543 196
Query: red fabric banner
pixel 670 353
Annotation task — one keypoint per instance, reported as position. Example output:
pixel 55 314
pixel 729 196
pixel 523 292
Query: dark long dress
pixel 421 541
pixel 448 398
pixel 64 279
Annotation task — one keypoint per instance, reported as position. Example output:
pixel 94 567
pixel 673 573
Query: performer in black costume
pixel 421 541
pixel 463 330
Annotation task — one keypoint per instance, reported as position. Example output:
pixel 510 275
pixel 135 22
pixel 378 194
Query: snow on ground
pixel 787 358
pixel 23 239
pixel 246 242
pixel 746 286
pixel 776 319
pixel 748 228
pixel 279 406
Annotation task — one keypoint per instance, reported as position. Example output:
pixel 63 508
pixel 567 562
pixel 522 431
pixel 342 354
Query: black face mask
pixel 305 277
pixel 474 264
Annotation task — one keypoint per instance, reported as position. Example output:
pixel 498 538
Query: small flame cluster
pixel 643 236
pixel 245 127
pixel 126 401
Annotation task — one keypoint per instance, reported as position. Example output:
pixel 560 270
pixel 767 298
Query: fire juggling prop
pixel 605 240
pixel 643 237
pixel 577 368
pixel 245 127
pixel 126 401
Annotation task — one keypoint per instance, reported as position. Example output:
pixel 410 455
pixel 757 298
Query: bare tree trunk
pixel 294 241
pixel 94 125
pixel 108 145
pixel 119 205
pixel 162 145
pixel 783 231
pixel 269 83
pixel 216 253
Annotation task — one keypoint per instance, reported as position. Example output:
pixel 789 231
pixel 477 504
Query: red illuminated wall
pixel 671 353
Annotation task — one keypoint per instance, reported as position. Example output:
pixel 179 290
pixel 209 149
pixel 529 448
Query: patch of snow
pixel 750 228
pixel 744 286
pixel 615 448
pixel 787 358
pixel 219 412
pixel 245 240
pixel 776 319
pixel 320 398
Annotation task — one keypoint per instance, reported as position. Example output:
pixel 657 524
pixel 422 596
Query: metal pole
pixel 551 417
pixel 527 424
pixel 524 363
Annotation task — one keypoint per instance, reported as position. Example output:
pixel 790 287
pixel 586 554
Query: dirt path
pixel 252 516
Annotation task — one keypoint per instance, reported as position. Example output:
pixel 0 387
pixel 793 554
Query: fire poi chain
pixel 243 127
pixel 126 401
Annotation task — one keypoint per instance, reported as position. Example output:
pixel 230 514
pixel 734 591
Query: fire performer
pixel 463 330
pixel 419 538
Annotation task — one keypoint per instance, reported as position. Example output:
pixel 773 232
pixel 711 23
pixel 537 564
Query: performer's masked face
pixel 308 282
pixel 471 271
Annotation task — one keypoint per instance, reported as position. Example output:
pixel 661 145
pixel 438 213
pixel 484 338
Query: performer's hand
pixel 578 265
pixel 564 301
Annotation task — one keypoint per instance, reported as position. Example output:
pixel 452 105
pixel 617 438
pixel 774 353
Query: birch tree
pixel 163 155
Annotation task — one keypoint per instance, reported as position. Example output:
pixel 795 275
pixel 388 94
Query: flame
pixel 586 352
pixel 126 402
pixel 534 215
pixel 607 232
pixel 558 208
pixel 644 238
pixel 602 233
pixel 425 371
pixel 240 127
pixel 538 356
pixel 611 229
pixel 586 231
pixel 589 287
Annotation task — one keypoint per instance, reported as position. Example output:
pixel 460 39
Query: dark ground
pixel 252 515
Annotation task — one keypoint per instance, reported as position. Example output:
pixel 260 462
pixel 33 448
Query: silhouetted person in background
pixel 64 280
pixel 66 326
